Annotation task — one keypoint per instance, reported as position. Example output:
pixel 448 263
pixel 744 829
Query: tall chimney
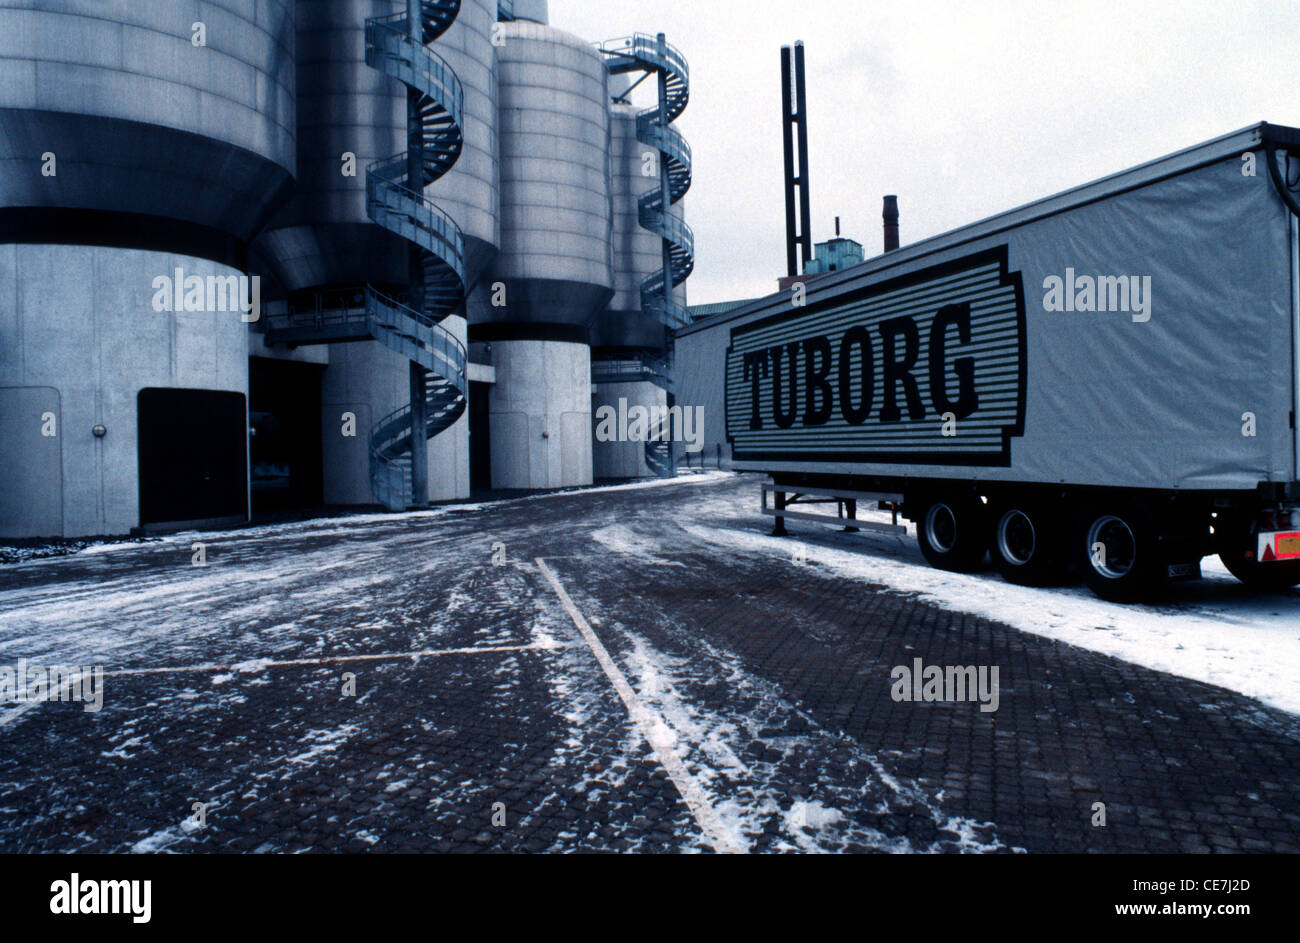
pixel 794 123
pixel 891 223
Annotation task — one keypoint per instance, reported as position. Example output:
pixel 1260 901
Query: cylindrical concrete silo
pixel 349 115
pixel 141 146
pixel 471 194
pixel 554 273
pixel 326 245
pixel 471 191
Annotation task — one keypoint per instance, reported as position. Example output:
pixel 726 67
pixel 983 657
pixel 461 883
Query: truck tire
pixel 1026 545
pixel 952 531
pixel 1233 538
pixel 1127 567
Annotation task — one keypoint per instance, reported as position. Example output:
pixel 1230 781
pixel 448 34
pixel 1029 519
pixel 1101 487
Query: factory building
pixel 326 252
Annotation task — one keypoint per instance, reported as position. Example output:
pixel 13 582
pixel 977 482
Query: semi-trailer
pixel 1105 380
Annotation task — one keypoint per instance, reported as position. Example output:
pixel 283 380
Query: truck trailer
pixel 1105 380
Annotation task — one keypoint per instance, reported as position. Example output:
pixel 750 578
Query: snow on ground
pixel 710 743
pixel 1213 630
pixel 29 553
pixel 324 527
pixel 108 617
pixel 619 538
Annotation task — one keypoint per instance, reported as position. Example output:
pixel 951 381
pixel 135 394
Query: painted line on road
pixel 648 720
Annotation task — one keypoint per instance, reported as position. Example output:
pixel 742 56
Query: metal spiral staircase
pixel 395 200
pixel 659 453
pixel 651 55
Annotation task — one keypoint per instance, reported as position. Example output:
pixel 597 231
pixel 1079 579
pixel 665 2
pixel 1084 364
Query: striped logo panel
pixel 928 367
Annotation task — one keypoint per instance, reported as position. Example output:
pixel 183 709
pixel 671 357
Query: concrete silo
pixel 142 145
pixel 373 265
pixel 554 273
pixel 252 242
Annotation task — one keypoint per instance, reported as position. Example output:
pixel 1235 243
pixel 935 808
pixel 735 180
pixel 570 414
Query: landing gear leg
pixel 778 528
pixel 851 512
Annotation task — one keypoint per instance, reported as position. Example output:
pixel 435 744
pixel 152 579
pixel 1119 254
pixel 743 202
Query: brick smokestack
pixel 891 223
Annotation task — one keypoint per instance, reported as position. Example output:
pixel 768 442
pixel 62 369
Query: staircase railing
pixel 650 54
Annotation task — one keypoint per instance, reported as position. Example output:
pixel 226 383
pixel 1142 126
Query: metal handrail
pixel 432 66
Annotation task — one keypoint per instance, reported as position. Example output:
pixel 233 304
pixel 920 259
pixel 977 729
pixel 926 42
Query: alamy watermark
pixel 924 682
pixel 1127 293
pixel 78 895
pixel 181 292
pixel 28 683
pixel 651 424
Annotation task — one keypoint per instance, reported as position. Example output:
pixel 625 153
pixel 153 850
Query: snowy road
pixel 629 669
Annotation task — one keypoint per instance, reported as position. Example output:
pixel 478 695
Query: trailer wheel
pixel 1117 550
pixel 1234 540
pixel 1266 577
pixel 1026 545
pixel 952 532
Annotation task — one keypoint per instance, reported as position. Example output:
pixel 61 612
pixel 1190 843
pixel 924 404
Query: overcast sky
pixel 963 109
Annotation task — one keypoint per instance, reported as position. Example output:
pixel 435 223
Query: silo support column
pixel 419 451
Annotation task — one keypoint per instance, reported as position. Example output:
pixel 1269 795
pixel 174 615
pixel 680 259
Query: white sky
pixel 963 109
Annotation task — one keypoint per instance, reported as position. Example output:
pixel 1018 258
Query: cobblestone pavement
pixel 744 705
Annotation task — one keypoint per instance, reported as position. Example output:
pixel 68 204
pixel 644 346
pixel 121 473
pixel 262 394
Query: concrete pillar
pixel 620 458
pixel 449 450
pixel 540 414
pixel 364 382
pixel 368 381
pixel 80 339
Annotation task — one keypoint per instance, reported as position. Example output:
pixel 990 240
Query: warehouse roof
pixel 715 307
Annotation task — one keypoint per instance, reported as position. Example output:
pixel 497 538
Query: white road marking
pixel 649 721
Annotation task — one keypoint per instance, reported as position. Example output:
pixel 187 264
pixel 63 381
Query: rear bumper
pixel 1277 545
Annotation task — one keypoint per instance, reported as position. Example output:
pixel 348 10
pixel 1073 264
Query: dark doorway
pixel 193 455
pixel 480 437
pixel 284 416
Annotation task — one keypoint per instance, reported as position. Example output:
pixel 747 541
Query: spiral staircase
pixel 651 55
pixel 395 200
